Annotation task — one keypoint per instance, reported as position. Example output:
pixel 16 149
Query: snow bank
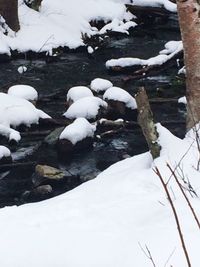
pixel 15 111
pixel 119 94
pixel 9 133
pixel 77 92
pixel 102 222
pixel 62 23
pixel 171 49
pixel 99 85
pixel 23 91
pixel 4 152
pixel 87 107
pixel 78 130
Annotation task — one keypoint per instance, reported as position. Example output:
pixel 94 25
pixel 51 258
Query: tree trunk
pixel 145 120
pixel 9 11
pixel 189 19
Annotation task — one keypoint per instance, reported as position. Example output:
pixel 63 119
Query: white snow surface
pixel 119 94
pixel 77 92
pixel 99 84
pixel 171 48
pixel 87 107
pixel 182 100
pixel 102 222
pixel 4 152
pixel 62 23
pixel 23 91
pixel 78 130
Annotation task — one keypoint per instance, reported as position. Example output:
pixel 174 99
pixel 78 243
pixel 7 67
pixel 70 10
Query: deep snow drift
pixel 102 222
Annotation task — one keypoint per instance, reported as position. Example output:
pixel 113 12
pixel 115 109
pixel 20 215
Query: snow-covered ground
pixel 104 222
pixel 64 23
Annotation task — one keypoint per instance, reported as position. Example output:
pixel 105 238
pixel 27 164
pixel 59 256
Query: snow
pixel 100 84
pixel 171 49
pixel 4 152
pixel 182 100
pixel 87 107
pixel 118 26
pixel 23 91
pixel 102 222
pixel 77 92
pixel 119 94
pixel 168 5
pixel 15 111
pixel 62 23
pixel 9 133
pixel 78 130
pixel 22 69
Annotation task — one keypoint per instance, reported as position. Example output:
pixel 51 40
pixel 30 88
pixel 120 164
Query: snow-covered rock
pixel 87 107
pixel 78 136
pixel 168 5
pixel 100 85
pixel 171 49
pixel 15 111
pixel 23 91
pixel 78 130
pixel 119 94
pixel 77 92
pixel 5 155
pixel 9 133
pixel 182 100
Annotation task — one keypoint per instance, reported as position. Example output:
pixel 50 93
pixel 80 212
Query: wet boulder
pixel 39 193
pixel 53 137
pixel 45 174
pixel 78 136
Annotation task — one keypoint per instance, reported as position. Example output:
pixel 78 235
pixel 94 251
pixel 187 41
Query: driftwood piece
pixel 146 122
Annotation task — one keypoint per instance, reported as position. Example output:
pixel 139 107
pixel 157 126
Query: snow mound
pixel 9 133
pixel 119 94
pixel 99 85
pixel 118 26
pixel 77 92
pixel 23 91
pixel 87 107
pixel 182 100
pixel 15 111
pixel 4 152
pixel 78 130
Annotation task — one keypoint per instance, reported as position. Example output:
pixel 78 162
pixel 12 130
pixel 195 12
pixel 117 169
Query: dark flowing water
pixel 52 81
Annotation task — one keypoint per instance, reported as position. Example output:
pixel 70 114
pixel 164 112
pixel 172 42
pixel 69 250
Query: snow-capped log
pixel 88 107
pixel 26 92
pixel 141 67
pixel 78 136
pixel 100 85
pixel 5 155
pixel 120 102
pixel 77 92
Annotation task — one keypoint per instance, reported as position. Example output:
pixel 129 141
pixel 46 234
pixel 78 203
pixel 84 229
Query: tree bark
pixel 9 11
pixel 189 20
pixel 145 120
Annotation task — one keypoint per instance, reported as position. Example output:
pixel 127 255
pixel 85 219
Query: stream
pixel 53 80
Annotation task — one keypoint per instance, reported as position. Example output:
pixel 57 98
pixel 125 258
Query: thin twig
pixel 147 253
pixel 185 196
pixel 156 170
